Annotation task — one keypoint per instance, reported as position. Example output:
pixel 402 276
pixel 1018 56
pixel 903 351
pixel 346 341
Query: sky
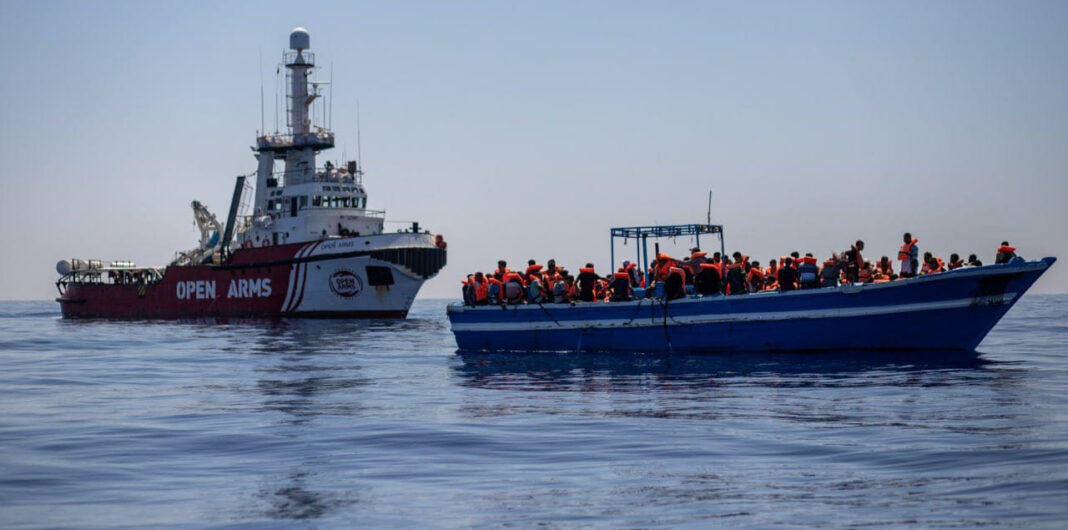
pixel 528 129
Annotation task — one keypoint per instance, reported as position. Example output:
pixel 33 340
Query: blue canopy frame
pixel 643 233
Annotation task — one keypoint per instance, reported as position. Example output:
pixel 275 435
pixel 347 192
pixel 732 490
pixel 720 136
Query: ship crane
pixel 210 231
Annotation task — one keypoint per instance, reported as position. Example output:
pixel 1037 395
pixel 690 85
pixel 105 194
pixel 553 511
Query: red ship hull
pixel 337 278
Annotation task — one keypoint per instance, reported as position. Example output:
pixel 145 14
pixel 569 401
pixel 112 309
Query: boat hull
pixel 948 311
pixel 340 278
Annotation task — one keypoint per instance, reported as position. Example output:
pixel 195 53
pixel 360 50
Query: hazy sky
pixel 524 130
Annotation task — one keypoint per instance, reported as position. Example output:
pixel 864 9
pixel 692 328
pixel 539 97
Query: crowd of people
pixel 707 275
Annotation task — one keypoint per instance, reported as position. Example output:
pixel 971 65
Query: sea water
pixel 382 424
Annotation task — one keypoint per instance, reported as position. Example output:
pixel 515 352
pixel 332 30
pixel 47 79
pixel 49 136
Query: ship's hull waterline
pixel 335 278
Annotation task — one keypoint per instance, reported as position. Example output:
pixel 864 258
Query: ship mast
pixel 303 139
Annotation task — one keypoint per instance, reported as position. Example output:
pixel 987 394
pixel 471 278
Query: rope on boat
pixel 548 314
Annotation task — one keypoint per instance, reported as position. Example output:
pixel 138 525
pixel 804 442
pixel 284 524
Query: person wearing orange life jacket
pixel 536 291
pixel 787 279
pixel 534 275
pixel 831 272
pixel 502 270
pixel 632 273
pixel 771 276
pixel 664 263
pixel 864 275
pixel 675 284
pixel 755 277
pixel 886 269
pixel 494 290
pixel 619 290
pixel 908 255
pixel 954 262
pixel 1005 253
pixel 586 283
pixel 513 291
pixel 853 261
pixel 481 289
pixel 468 290
pixel 559 288
pixel 931 264
pixel 707 281
pixel 808 272
pixel 736 276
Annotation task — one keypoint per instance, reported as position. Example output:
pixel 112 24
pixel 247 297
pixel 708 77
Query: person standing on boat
pixel 909 255
pixel 633 273
pixel 787 275
pixel 854 261
pixel 587 283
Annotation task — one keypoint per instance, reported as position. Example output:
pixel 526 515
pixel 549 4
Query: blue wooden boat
pixel 953 310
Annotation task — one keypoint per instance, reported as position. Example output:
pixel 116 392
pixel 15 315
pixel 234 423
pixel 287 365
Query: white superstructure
pixel 304 202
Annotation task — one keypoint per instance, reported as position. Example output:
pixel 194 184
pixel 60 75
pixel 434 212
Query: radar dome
pixel 299 39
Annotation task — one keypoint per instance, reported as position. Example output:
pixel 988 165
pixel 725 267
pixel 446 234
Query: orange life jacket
pixel 679 271
pixel 481 290
pixel 864 275
pixel 586 269
pixel 533 268
pixel 905 252
pixel 1004 248
pixel 807 259
pixel 755 276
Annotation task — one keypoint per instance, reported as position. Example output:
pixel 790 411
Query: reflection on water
pixel 620 372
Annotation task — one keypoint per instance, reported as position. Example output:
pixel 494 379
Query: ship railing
pixel 320 139
pixel 324 174
pixel 305 57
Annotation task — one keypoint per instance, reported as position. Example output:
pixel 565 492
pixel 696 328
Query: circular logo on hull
pixel 345 283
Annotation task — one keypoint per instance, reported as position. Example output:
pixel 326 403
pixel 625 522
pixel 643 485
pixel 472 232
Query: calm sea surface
pixel 341 424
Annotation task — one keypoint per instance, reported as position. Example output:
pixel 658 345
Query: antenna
pixel 263 126
pixel 359 152
pixel 709 215
pixel 330 112
pixel 277 71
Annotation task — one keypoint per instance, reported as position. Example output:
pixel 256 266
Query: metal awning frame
pixel 643 233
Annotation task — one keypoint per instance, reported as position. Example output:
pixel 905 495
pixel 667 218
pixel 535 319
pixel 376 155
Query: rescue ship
pixel 302 244
pixel 951 310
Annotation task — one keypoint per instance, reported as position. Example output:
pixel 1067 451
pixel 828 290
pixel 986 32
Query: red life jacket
pixel 1004 248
